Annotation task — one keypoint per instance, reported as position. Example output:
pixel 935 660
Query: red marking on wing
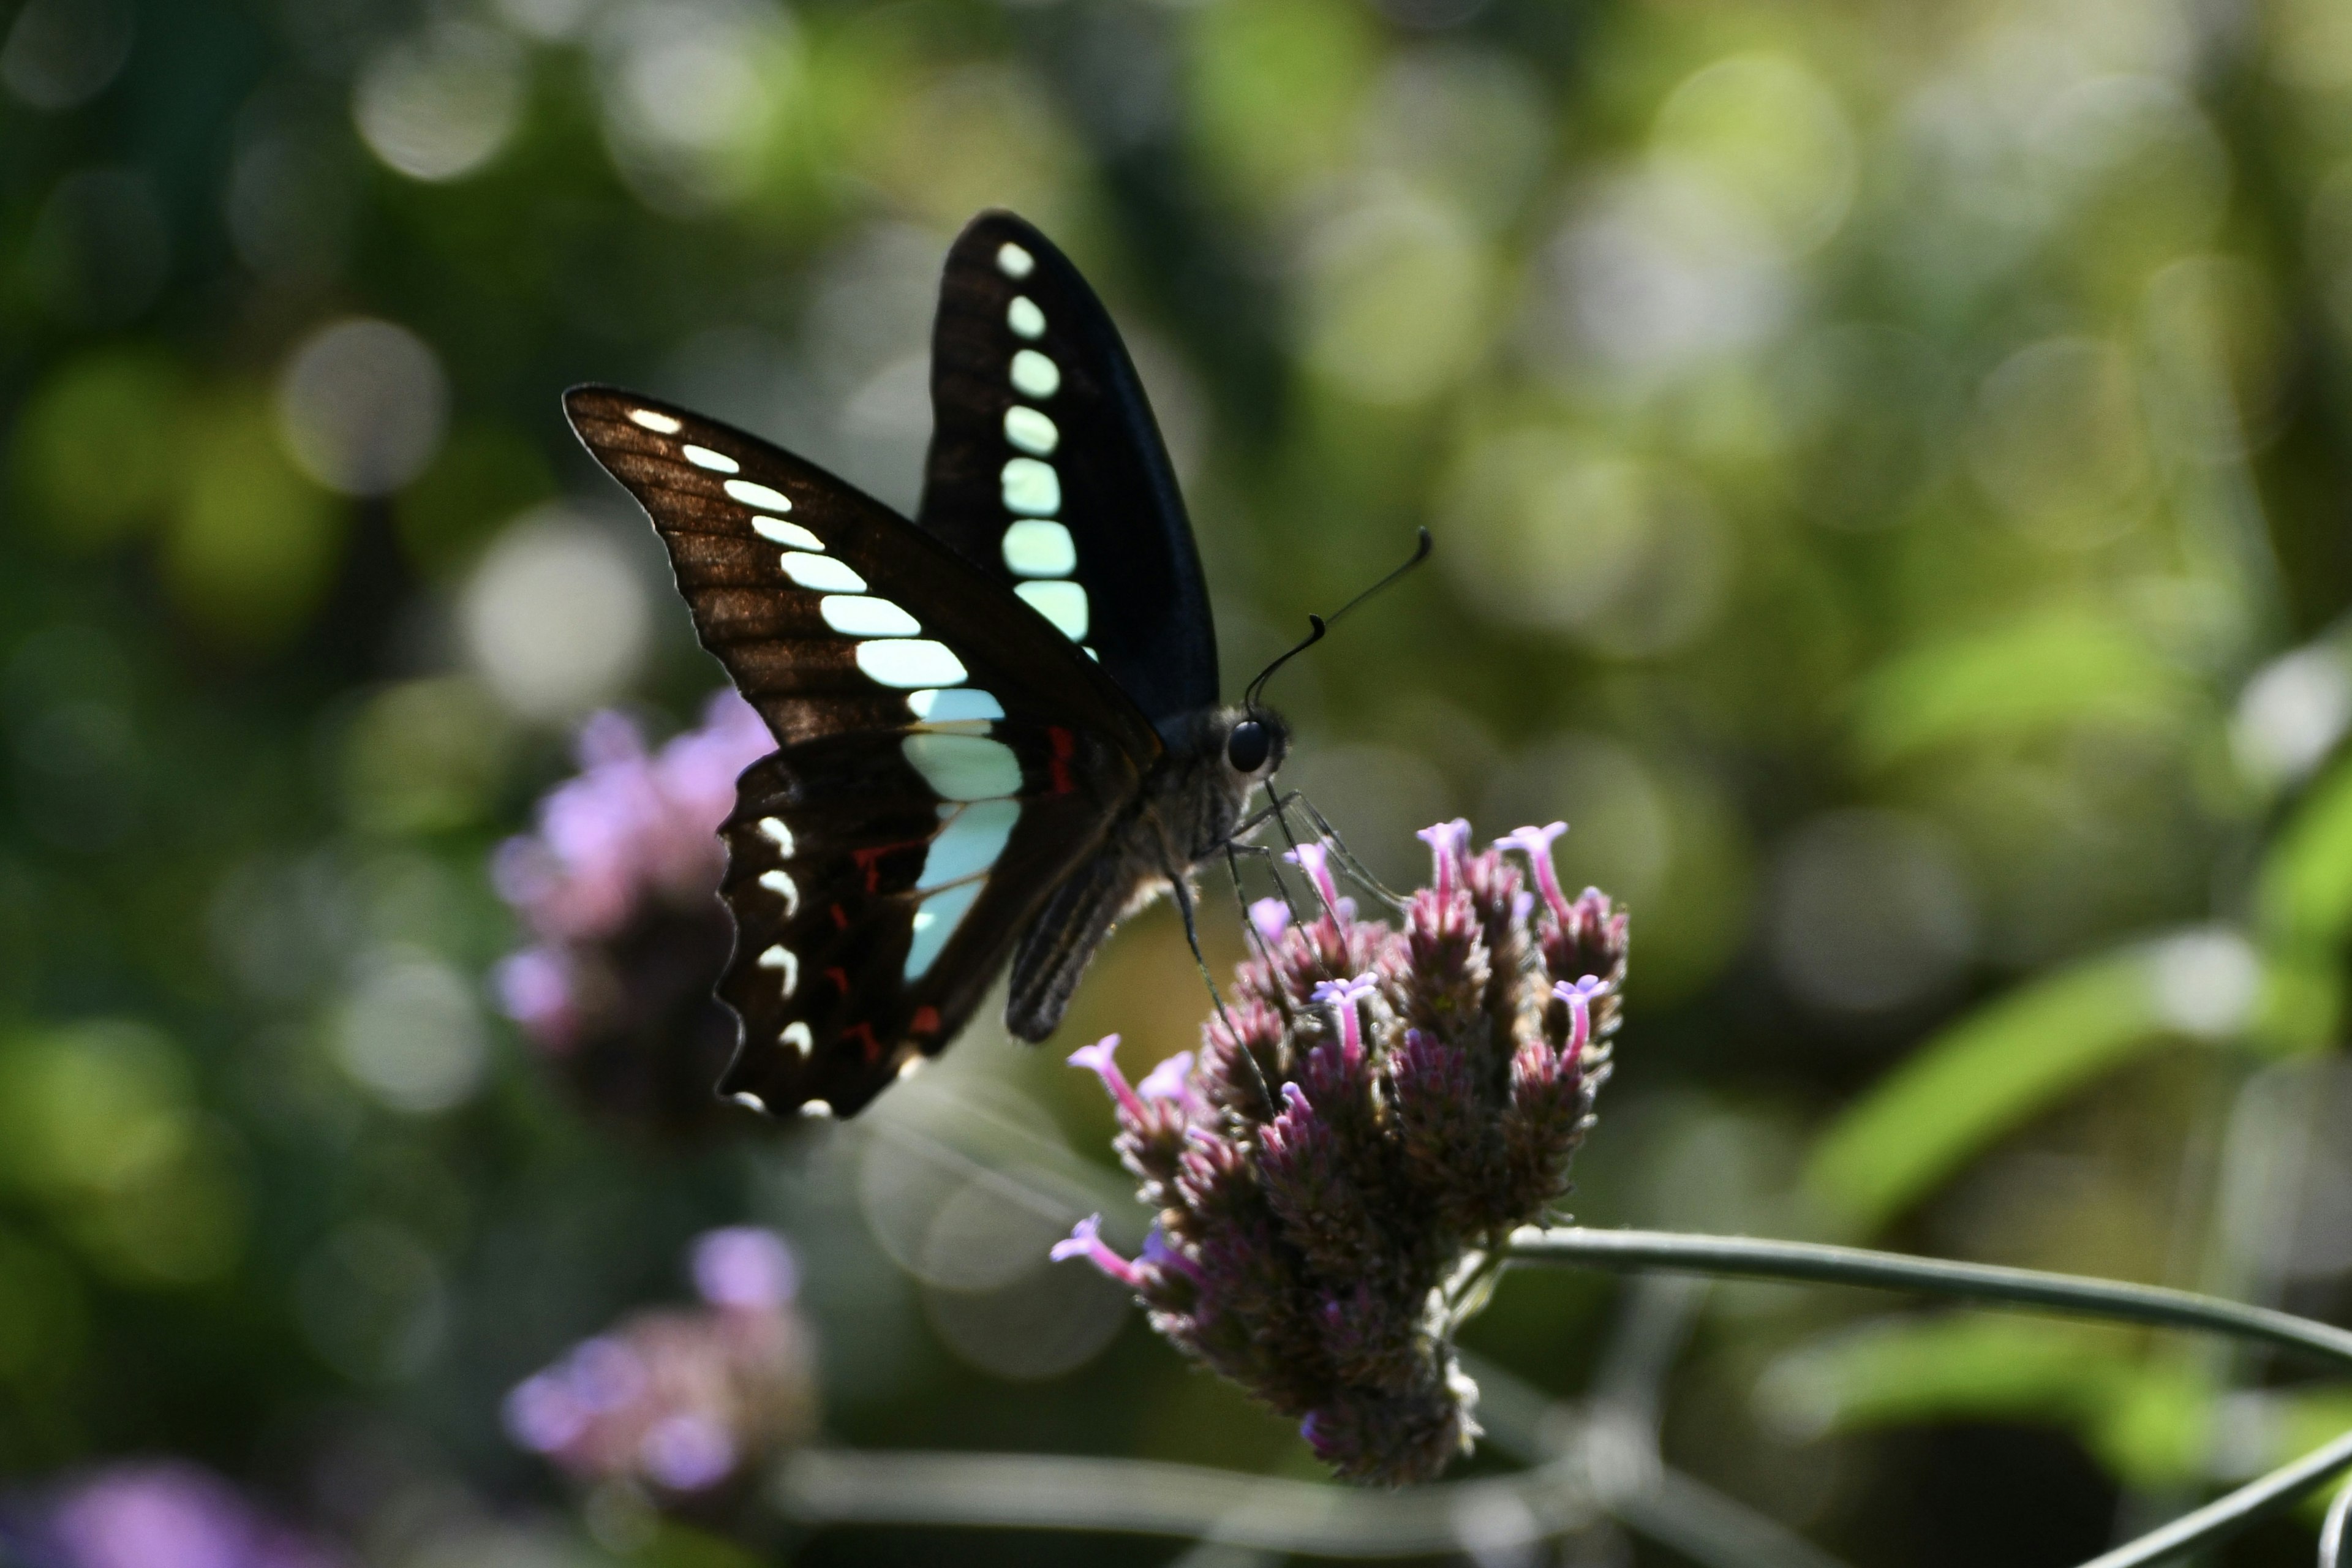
pixel 840 917
pixel 869 860
pixel 1065 746
pixel 864 1033
pixel 840 977
pixel 926 1021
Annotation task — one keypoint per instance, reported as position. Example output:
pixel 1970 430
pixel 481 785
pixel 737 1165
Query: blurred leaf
pixel 96 1120
pixel 41 1322
pixel 253 548
pixel 676 1545
pixel 1274 86
pixel 2025 1053
pixel 2061 668
pixel 484 476
pixel 2146 1418
pixel 2303 893
pixel 98 449
pixel 2303 1419
pixel 1947 1365
pixel 424 756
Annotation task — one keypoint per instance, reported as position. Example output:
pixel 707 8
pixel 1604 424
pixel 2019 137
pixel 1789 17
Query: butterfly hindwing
pixel 871 917
pixel 947 757
pixel 1047 469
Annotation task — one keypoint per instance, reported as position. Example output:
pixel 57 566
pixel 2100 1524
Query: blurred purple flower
pixel 1373 1107
pixel 683 1400
pixel 164 1513
pixel 618 886
pixel 745 1267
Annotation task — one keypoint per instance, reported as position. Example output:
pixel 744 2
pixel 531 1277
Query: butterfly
pixel 998 725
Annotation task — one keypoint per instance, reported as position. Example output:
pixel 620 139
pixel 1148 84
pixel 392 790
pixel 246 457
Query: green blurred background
pixel 1892 474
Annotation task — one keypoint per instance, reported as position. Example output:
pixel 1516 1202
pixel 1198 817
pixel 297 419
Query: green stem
pixel 1747 1257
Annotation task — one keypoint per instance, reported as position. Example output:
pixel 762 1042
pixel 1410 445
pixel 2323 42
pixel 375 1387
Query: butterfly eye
pixel 1247 747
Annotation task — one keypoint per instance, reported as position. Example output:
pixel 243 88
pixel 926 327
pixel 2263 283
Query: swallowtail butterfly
pixel 998 725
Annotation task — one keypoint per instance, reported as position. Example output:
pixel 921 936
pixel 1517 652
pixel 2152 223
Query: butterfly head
pixel 1255 742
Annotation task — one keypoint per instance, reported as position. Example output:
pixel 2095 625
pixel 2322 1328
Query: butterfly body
pixel 998 727
pixel 1186 811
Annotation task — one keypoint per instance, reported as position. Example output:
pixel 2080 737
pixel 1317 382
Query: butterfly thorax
pixel 1196 797
pixel 1188 809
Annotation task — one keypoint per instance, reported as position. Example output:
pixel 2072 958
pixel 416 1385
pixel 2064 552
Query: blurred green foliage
pixel 1889 472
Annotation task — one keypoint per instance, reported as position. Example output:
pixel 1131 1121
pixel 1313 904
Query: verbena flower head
pixel 1375 1111
pixel 145 1513
pixel 681 1403
pixel 619 888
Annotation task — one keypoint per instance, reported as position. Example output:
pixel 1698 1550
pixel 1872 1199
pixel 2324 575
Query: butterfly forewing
pixel 946 756
pixel 1048 471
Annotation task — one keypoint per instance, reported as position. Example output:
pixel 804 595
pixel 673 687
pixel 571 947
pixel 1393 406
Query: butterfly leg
pixel 1356 867
pixel 1233 851
pixel 1278 812
pixel 1192 937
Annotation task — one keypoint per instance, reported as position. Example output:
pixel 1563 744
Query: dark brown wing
pixel 947 756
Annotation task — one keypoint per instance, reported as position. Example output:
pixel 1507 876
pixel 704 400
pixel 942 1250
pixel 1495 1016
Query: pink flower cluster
pixel 619 888
pixel 635 833
pixel 1375 1108
pixel 681 1402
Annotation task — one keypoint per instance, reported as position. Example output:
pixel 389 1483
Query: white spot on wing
pixel 912 1065
pixel 1032 487
pixel 1013 261
pixel 1034 375
pixel 963 767
pixel 781 883
pixel 749 1102
pixel 821 572
pixel 1024 318
pixel 935 920
pixel 1036 547
pixel 796 1037
pixel 858 615
pixel 777 834
pixel 761 496
pixel 956 704
pixel 970 842
pixel 820 1108
pixel 911 661
pixel 1030 430
pixel 664 424
pixel 717 462
pixel 786 964
pixel 1063 603
pixel 782 533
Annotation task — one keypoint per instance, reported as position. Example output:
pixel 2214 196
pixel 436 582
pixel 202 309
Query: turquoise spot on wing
pixel 935 920
pixel 1039 547
pixel 970 842
pixel 1062 603
pixel 963 767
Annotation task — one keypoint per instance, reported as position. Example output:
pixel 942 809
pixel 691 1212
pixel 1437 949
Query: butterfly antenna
pixel 1319 625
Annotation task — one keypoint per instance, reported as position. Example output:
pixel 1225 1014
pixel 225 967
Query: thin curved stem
pixel 1813 1262
pixel 1816 1263
pixel 2232 1512
pixel 1145 1497
pixel 2331 1535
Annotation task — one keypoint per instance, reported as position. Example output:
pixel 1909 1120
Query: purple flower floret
pixel 1270 918
pixel 1370 1114
pixel 153 1513
pixel 1085 1241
